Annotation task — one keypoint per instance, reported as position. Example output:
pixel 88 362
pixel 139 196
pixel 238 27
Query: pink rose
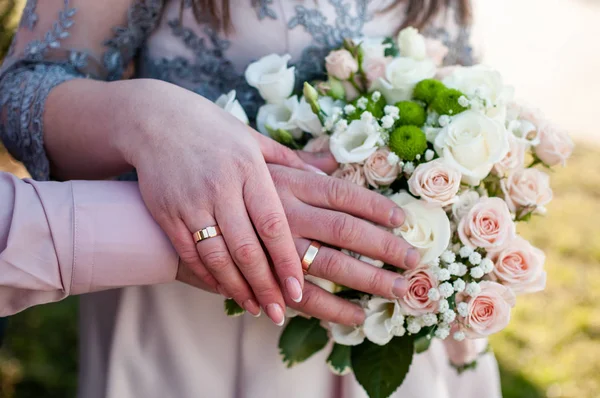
pixel 520 266
pixel 527 189
pixel 416 301
pixel 352 172
pixel 514 159
pixel 378 171
pixel 435 182
pixel 555 146
pixel 488 225
pixel 318 144
pixel 436 50
pixel 341 64
pixel 488 311
pixel 375 68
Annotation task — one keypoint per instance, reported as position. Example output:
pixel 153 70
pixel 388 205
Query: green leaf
pixel 422 344
pixel 382 369
pixel 392 50
pixel 301 339
pixel 232 308
pixel 339 360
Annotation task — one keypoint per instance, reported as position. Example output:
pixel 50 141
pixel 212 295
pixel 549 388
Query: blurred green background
pixel 551 348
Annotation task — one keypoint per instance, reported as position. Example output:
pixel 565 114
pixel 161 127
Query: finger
pixel 184 244
pixel 335 194
pixel 320 304
pixel 348 232
pixel 274 152
pixel 268 217
pixel 187 276
pixel 248 254
pixel 335 266
pixel 215 256
pixel 321 160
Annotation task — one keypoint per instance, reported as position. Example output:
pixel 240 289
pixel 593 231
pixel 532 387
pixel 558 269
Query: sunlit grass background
pixel 551 348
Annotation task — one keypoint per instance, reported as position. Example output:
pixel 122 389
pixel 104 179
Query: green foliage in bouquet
pixel 411 114
pixel 426 90
pixel 447 102
pixel 408 142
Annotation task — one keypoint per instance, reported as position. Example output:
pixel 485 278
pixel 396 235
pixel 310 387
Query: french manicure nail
pixel 314 169
pixel 399 288
pixel 412 258
pixel 275 312
pixel 397 217
pixel 294 290
pixel 252 307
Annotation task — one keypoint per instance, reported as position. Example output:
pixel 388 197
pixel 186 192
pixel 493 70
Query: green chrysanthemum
pixel 426 90
pixel 370 105
pixel 407 142
pixel 411 113
pixel 446 102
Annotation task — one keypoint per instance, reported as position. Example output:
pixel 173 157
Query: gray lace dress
pixel 172 340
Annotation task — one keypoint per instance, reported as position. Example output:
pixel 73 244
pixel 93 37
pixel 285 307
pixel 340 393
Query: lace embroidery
pixel 29 18
pixel 37 49
pixel 263 10
pixel 23 94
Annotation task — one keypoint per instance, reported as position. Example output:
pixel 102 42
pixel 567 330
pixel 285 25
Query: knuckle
pixel 338 192
pixel 271 225
pixel 247 253
pixel 332 267
pixel 375 281
pixel 345 229
pixel 217 260
pixel 391 247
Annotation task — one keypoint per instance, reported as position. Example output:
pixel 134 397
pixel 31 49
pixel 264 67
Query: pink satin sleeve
pixel 59 239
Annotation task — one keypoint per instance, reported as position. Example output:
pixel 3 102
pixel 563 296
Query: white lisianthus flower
pixel 346 335
pixel 401 77
pixel 306 119
pixel 324 284
pixel 233 106
pixel 384 320
pixel 272 78
pixel 472 143
pixel 484 83
pixel 412 44
pixel 426 227
pixel 279 116
pixel 357 142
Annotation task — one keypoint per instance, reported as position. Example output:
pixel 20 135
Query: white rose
pixel 279 116
pixel 271 77
pixel 482 82
pixel 231 105
pixel 465 202
pixel 426 226
pixel 472 143
pixel 412 44
pixel 356 143
pixel 401 77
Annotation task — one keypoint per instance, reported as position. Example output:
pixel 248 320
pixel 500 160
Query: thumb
pixel 321 160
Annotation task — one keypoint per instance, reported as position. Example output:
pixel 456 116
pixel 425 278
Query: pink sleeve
pixel 58 239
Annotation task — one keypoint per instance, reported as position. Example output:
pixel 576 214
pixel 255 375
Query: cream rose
pixel 412 44
pixel 401 77
pixel 514 159
pixel 232 105
pixel 488 225
pixel 272 78
pixel 555 146
pixel 527 188
pixel 472 143
pixel 341 64
pixel 378 170
pixel 435 182
pixel 488 311
pixel 520 266
pixel 463 205
pixel 351 172
pixel 318 144
pixel 357 142
pixel 426 226
pixel 416 301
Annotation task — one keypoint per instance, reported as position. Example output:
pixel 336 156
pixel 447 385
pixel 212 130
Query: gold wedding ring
pixel 309 255
pixel 207 233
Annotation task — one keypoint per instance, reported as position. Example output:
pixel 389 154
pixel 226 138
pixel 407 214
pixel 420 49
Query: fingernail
pixel 412 258
pixel 397 217
pixel 308 167
pixel 222 291
pixel 252 307
pixel 294 290
pixel 275 312
pixel 400 287
pixel 359 316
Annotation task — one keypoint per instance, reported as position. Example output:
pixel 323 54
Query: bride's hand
pixel 198 167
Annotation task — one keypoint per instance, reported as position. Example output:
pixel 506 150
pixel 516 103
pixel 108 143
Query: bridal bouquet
pixel 465 162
